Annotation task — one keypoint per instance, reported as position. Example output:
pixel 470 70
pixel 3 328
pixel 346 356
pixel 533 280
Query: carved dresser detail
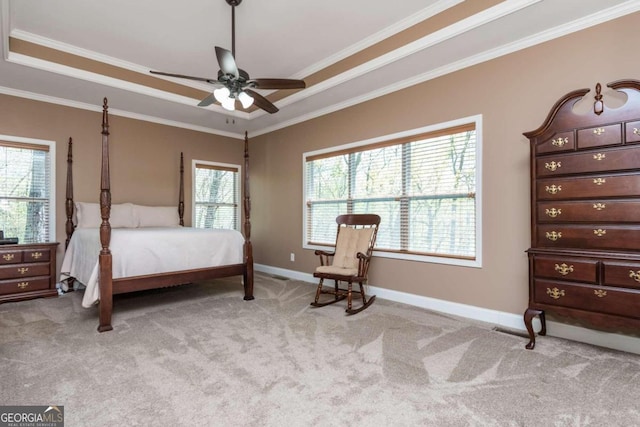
pixel 584 260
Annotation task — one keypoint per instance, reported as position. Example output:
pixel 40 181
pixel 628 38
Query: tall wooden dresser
pixel 584 260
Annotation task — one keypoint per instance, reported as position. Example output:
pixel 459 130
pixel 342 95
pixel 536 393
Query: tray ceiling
pixel 75 52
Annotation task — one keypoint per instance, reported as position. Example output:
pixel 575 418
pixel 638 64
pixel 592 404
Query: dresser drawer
pixel 563 141
pixel 581 187
pixel 561 268
pixel 624 274
pixel 616 159
pixel 633 131
pixel 24 270
pixel 23 285
pixel 600 136
pixel 599 299
pixel 592 236
pixel 591 211
pixel 10 256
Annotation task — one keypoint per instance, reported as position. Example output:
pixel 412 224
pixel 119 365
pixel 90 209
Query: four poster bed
pixel 127 248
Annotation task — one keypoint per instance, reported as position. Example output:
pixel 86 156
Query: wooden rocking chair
pixel 349 263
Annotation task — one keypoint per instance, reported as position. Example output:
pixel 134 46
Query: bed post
pixel 106 282
pixel 248 249
pixel 69 201
pixel 181 196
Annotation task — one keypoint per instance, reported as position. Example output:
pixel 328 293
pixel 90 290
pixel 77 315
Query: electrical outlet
pixel 293 257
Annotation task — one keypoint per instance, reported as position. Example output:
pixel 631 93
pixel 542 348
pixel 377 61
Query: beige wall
pixel 145 157
pixel 513 93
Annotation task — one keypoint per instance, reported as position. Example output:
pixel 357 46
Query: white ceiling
pixel 274 38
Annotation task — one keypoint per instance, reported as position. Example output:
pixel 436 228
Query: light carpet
pixel 198 355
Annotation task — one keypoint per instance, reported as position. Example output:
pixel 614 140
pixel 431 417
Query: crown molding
pixel 114 111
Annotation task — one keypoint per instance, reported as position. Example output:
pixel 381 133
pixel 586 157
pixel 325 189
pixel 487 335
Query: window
pixel 27 196
pixel 423 183
pixel 216 195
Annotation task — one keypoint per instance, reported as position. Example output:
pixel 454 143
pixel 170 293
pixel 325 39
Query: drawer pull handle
pixel 600 293
pixel 599 156
pixel 635 275
pixel 553 189
pixel 23 270
pixel 564 269
pixel 598 131
pixel 23 285
pixel 599 181
pixel 8 257
pixel 560 142
pixel 553 166
pixel 636 131
pixel 599 206
pixel 36 255
pixel 599 232
pixel 553 235
pixel 553 212
pixel 555 293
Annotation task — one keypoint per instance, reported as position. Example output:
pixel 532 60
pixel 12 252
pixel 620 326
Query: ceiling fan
pixel 235 82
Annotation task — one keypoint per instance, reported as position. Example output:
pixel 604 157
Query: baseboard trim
pixel 499 318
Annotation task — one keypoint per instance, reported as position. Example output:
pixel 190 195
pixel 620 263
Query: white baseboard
pixel 499 318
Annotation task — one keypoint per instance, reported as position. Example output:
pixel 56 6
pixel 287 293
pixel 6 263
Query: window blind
pixel 216 196
pixel 423 187
pixel 25 191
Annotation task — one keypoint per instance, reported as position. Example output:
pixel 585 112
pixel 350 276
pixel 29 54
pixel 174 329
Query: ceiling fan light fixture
pixel 221 94
pixel 245 99
pixel 229 104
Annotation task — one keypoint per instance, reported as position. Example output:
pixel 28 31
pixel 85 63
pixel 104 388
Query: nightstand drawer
pixel 600 299
pixel 573 269
pixel 16 286
pixel 35 255
pixel 10 257
pixel 24 270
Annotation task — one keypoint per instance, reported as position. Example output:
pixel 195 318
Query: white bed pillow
pixel 157 216
pixel 121 215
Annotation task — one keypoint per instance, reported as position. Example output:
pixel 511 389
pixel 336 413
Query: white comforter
pixel 149 250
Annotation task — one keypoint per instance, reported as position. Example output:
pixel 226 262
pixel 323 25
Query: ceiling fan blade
pixel 226 61
pixel 262 102
pixel 181 76
pixel 278 83
pixel 207 101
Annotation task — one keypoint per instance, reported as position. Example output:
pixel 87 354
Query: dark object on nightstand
pixel 7 241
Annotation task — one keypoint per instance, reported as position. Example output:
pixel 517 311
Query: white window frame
pixel 477 262
pixel 52 178
pixel 195 162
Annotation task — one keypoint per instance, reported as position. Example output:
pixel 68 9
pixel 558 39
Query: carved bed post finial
pixel 598 106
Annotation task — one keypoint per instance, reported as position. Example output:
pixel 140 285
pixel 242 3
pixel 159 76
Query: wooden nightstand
pixel 27 271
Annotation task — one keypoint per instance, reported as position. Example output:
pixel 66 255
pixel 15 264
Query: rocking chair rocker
pixel 349 263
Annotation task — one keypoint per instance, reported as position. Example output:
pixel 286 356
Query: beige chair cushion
pixel 350 242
